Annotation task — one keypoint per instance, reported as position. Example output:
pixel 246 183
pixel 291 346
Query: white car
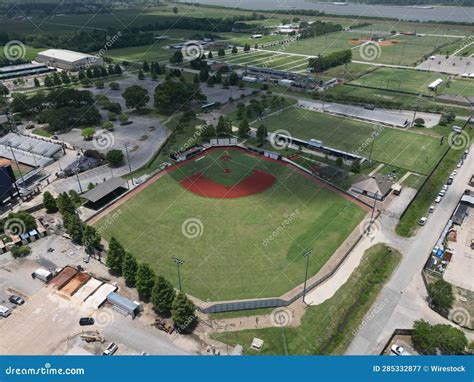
pixel 111 349
pixel 459 164
pixel 4 311
pixel 399 350
pixel 442 193
pixel 423 221
pixel 438 199
pixel 445 188
pixel 432 208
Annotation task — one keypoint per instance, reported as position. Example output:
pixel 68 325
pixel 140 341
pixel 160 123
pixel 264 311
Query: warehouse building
pixel 68 60
pixel 23 70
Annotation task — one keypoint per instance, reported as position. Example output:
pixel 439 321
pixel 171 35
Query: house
pixel 375 187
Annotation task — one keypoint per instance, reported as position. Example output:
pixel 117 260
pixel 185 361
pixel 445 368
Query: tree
pixel 339 162
pixel 262 133
pixel 355 166
pixel 144 281
pixel 48 82
pixel 204 74
pixel 19 222
pixel 36 82
pixel 141 75
pixel 118 69
pixel 209 56
pixel 196 78
pixel 136 97
pixel 115 256
pixel 146 67
pixel 112 116
pixel 241 84
pixel 154 76
pixel 88 133
pixel 114 86
pixel 221 52
pixel 176 58
pixel 20 251
pixel 441 297
pixel 233 79
pixel 115 157
pixel 419 122
pixel 431 339
pixel 107 125
pixel 162 296
pixel 123 118
pixel 183 312
pixel 246 47
pixel 210 82
pixel 49 202
pixel 175 10
pixel 234 50
pixel 74 226
pixel 90 239
pixel 244 129
pixel 129 269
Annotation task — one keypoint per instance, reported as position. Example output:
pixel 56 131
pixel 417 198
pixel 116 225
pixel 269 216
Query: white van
pixel 42 274
pixel 4 311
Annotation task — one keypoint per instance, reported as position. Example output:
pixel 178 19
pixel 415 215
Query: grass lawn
pixel 230 260
pixel 396 147
pixel 405 80
pixel 409 222
pixel 154 52
pixel 407 51
pixel 29 52
pixel 460 87
pixel 327 328
pixel 42 132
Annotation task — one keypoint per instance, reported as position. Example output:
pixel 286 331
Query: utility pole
pixel 16 162
pixel 178 262
pixel 78 180
pixel 307 254
pixel 129 166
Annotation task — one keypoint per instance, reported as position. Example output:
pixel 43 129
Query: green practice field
pixel 154 52
pixel 458 86
pixel 229 257
pixel 405 80
pixel 404 149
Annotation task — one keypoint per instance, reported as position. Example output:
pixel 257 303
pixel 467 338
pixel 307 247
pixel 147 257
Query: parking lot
pixel 48 322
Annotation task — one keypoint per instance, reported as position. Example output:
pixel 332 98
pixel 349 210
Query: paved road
pixel 398 302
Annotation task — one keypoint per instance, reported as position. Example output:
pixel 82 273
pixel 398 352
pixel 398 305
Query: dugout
pixel 104 193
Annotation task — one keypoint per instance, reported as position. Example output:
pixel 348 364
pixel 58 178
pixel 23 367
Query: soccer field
pixel 411 151
pixel 405 80
pixel 230 255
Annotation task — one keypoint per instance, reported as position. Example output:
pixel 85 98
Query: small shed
pixel 123 304
pixel 104 193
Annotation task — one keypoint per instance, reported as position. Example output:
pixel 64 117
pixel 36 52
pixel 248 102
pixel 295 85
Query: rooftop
pixel 103 189
pixel 63 54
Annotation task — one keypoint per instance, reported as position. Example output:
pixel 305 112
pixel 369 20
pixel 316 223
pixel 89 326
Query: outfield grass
pixel 411 151
pixel 327 328
pixel 229 259
pixel 154 52
pixel 408 224
pixel 405 80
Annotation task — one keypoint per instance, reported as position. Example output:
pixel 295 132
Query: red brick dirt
pixel 200 185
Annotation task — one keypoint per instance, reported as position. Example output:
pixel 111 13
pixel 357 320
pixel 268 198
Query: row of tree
pixel 157 290
pixel 322 63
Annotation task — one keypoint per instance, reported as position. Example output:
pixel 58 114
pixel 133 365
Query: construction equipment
pixel 163 325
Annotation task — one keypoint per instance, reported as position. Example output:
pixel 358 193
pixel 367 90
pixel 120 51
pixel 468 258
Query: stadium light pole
pixel 16 162
pixel 307 254
pixel 178 262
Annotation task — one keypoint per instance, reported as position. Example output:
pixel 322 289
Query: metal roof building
pixel 104 192
pixel 123 304
pixel 68 59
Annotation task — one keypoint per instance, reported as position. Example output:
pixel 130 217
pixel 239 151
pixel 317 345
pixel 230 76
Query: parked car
pixel 423 221
pixel 86 321
pixel 459 165
pixel 17 300
pixel 438 199
pixel 445 188
pixel 432 208
pixel 4 311
pixel 111 349
pixel 399 350
pixel 454 173
pixel 442 193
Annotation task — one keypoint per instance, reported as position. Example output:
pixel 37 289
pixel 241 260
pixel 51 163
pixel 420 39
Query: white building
pixel 68 60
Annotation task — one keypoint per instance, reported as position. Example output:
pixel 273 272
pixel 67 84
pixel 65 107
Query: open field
pixel 268 59
pixel 409 222
pixel 29 52
pixel 405 80
pixel 154 52
pixel 229 259
pixel 464 87
pixel 404 50
pixel 404 149
pixel 327 328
